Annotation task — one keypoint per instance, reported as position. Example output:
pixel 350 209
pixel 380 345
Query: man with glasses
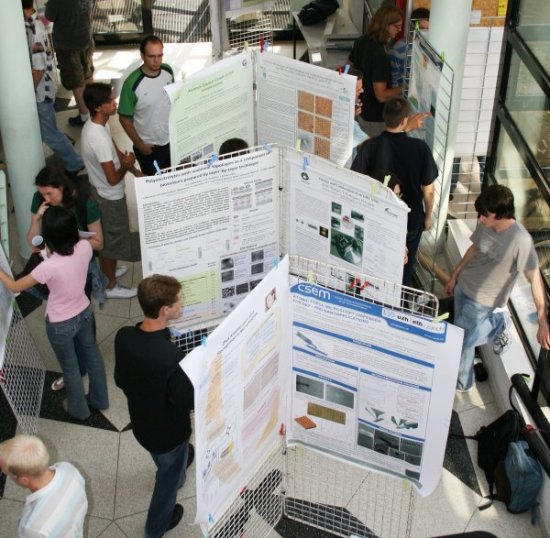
pixel 144 107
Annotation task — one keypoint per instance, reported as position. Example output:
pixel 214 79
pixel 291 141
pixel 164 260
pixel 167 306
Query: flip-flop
pixel 58 384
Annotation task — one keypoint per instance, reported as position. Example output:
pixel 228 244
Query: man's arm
pixel 127 123
pixel 113 175
pixel 539 297
pixel 470 253
pixel 383 93
pixel 428 195
pixel 37 75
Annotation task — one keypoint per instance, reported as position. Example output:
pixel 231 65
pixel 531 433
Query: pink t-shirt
pixel 66 278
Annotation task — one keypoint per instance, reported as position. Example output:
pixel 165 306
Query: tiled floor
pixel 120 474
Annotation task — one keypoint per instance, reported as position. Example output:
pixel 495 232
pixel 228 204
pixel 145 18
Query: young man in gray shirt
pixel 483 280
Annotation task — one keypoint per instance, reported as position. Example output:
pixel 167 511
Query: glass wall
pixel 520 150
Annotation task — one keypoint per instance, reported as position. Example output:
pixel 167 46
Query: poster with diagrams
pixel 239 380
pixel 220 226
pixel 211 106
pixel 214 228
pixel 296 105
pixel 305 106
pixel 425 76
pixel 6 307
pixel 367 384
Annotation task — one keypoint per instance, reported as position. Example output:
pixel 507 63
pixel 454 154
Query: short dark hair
pixel 157 291
pixel 27 4
pixel 395 111
pixel 149 39
pixel 377 29
pixel 60 230
pixel 55 177
pixel 232 145
pixel 420 13
pixel 95 95
pixel 496 199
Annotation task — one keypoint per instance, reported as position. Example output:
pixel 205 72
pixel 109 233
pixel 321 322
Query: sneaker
pixel 465 390
pixel 480 372
pixel 58 384
pixel 190 455
pixel 119 292
pixel 76 121
pixel 177 514
pixel 121 270
pixel 502 342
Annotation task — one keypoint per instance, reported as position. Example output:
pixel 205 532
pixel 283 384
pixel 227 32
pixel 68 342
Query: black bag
pixel 33 262
pixel 317 11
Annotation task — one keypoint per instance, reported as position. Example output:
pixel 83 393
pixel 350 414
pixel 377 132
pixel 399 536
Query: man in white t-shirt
pixel 144 107
pixel 107 166
pixel 57 504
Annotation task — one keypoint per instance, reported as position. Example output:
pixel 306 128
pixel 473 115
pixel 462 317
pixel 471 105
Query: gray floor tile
pixel 95 526
pixel 9 517
pixel 480 395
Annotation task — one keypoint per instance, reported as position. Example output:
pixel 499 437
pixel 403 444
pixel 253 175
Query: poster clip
pixel 310 278
pixel 267 147
pixel 265 45
pixel 262 44
pixel 157 167
pixel 339 69
pixel 387 180
pixel 213 158
pixel 298 145
pixel 203 341
pixel 305 162
pixel 276 262
pixel 210 518
pixel 416 26
pixel 443 316
pixel 282 429
pixel 243 491
pixel 346 69
pixel 443 56
pixel 246 47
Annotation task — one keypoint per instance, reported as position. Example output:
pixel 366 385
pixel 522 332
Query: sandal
pixel 58 384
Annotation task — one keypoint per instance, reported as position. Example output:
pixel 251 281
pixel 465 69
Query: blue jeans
pixel 414 235
pixel 481 325
pixel 74 344
pixel 171 467
pixel 56 139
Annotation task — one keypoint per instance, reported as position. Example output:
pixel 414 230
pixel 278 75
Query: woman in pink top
pixel 69 317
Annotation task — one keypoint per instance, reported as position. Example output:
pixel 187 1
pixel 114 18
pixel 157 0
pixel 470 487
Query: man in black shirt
pixel 411 161
pixel 159 395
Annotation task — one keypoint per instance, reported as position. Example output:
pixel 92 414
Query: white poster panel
pixel 239 7
pixel 372 385
pixel 305 104
pixel 240 379
pixel 214 228
pixel 213 105
pixel 345 219
pixel 6 307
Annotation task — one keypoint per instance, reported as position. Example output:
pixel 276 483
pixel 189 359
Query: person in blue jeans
pixel 69 317
pixel 160 396
pixel 483 280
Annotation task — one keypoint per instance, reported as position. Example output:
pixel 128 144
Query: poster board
pixel 219 227
pixel 293 104
pixel 320 386
pixel 6 307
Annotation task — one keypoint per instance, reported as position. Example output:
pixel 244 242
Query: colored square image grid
pixel 322 126
pixel 323 106
pixel 306 101
pixel 305 121
pixel 322 147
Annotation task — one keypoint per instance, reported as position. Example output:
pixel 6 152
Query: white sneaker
pixel 119 292
pixel 121 270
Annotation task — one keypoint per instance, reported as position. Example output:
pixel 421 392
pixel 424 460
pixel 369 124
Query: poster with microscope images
pixel 345 219
pixel 6 307
pixel 240 380
pixel 371 384
pixel 305 106
pixel 214 227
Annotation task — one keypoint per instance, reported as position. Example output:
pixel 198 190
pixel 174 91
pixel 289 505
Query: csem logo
pixel 308 289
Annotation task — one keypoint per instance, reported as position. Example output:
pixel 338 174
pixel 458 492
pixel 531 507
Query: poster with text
pixel 240 7
pixel 213 227
pixel 346 219
pixel 308 104
pixel 371 384
pixel 6 307
pixel 210 107
pixel 240 379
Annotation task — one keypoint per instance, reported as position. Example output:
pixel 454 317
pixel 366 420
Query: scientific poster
pixel 239 7
pixel 240 385
pixel 299 102
pixel 345 219
pixel 369 383
pixel 214 228
pixel 213 105
pixel 6 307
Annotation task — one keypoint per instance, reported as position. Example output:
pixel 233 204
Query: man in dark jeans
pixel 411 161
pixel 160 396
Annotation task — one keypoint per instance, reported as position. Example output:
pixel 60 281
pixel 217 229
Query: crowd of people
pixel 85 228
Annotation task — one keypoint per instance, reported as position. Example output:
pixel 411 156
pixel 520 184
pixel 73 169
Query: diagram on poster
pixel 214 228
pixel 302 105
pixel 238 378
